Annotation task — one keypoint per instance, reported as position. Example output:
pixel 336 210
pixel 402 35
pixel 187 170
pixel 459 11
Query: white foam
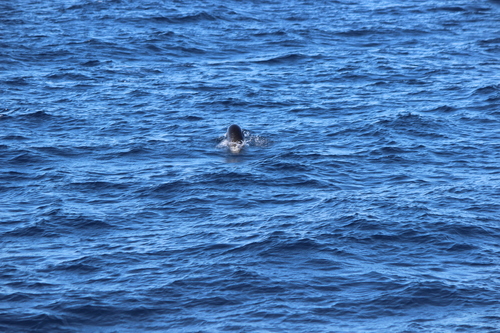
pixel 233 147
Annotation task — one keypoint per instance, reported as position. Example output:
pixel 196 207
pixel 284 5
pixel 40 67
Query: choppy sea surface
pixel 366 197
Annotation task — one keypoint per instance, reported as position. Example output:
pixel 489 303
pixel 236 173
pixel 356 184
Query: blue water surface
pixel 366 197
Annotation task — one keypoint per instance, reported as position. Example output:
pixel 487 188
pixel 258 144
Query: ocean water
pixel 366 197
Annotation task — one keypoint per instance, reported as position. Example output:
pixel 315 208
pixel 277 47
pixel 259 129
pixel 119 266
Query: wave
pixel 486 90
pixel 282 59
pixel 17 81
pixel 187 18
pixel 450 9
